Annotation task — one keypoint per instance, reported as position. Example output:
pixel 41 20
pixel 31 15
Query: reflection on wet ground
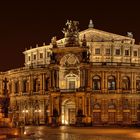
pixel 74 133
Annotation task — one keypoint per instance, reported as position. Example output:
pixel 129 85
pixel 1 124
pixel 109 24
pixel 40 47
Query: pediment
pixel 93 34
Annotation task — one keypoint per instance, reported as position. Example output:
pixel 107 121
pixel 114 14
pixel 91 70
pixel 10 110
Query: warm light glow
pixel 37 110
pixel 25 133
pixel 25 111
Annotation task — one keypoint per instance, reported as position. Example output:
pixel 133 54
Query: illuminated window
pixel 107 51
pixel 97 51
pixel 96 83
pixel 135 53
pixel 125 83
pixel 138 84
pixel 29 58
pixel 24 85
pixel 111 83
pixel 34 56
pixel 16 87
pixel 118 52
pixel 126 52
pixel 71 84
pixel 41 55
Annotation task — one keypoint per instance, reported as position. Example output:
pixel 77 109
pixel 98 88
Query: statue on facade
pixel 53 57
pixel 71 33
pixel 54 42
pixel 6 99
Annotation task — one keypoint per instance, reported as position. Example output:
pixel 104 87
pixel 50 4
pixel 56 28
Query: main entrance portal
pixel 68 112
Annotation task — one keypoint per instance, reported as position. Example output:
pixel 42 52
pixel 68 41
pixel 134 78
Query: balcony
pixel 68 90
pixel 126 91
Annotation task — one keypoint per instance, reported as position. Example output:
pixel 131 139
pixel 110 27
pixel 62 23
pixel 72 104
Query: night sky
pixel 25 23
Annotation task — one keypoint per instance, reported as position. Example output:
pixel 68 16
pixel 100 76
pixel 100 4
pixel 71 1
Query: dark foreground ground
pixel 80 133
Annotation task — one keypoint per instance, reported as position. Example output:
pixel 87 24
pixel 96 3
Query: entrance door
pixel 126 117
pixel 71 84
pixel 111 117
pixel 96 117
pixel 71 116
pixel 68 112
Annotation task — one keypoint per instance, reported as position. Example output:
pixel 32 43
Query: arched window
pixel 10 88
pixel 126 104
pixel 97 106
pixel 125 83
pixel 111 83
pixel 24 85
pixel 36 85
pixel 16 86
pixel 47 84
pixel 96 83
pixel 138 83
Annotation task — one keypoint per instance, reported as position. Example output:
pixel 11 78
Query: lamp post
pixel 25 116
pixel 37 116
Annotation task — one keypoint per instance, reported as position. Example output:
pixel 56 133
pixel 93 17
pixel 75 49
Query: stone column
pixel 134 83
pixel 133 110
pixel 81 78
pixel 41 83
pixel 52 80
pixel 57 79
pixel 88 79
pixel 131 82
pixel 30 84
pixel 112 53
pixel 118 82
pixel 119 111
pixel 102 81
pixel 13 87
pixel 84 78
pixel 105 82
pixel 20 86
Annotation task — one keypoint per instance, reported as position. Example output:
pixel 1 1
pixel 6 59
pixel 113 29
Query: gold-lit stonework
pixel 90 77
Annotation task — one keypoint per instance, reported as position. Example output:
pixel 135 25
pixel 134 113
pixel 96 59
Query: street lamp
pixel 25 116
pixel 37 114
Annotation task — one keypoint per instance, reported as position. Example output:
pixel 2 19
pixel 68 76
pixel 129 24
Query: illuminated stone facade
pixel 87 78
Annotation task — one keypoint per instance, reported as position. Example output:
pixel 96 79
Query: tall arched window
pixel 96 83
pixel 36 85
pixel 111 83
pixel 47 84
pixel 24 85
pixel 138 83
pixel 16 86
pixel 10 88
pixel 111 105
pixel 126 104
pixel 97 106
pixel 125 83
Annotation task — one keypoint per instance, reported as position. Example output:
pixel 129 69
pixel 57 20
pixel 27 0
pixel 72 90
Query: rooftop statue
pixel 71 33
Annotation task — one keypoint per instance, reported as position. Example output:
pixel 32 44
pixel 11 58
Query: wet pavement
pixel 80 133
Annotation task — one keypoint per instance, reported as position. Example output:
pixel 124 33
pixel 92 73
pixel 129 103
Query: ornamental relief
pixel 69 60
pixel 76 72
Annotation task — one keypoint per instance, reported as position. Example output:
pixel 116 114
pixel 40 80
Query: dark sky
pixel 25 23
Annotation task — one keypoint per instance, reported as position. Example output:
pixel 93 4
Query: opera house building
pixel 89 77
